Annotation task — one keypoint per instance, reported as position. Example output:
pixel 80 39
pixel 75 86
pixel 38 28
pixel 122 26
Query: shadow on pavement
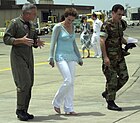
pixel 87 114
pixel 58 117
pixel 131 108
pixel 48 118
pixel 2 54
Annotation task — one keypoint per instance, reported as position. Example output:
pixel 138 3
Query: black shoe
pixel 22 115
pixel 113 106
pixel 30 116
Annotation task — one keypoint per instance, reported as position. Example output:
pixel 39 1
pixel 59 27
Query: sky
pixel 98 4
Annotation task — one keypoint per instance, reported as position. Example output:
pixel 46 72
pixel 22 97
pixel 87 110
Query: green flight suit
pixel 117 74
pixel 22 62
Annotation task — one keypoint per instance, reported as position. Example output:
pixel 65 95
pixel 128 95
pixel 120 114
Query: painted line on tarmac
pixel 37 64
pixel 5 69
pixel 41 63
pixel 47 43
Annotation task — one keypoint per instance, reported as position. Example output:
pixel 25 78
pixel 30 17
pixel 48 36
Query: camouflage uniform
pixel 117 74
pixel 22 62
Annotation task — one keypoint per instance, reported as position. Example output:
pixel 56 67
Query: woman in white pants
pixel 66 91
pixel 66 57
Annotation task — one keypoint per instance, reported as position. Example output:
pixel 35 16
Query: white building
pixel 9 10
pixel 46 2
pixel 133 13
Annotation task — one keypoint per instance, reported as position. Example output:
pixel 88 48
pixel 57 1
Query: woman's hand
pixel 80 62
pixel 51 62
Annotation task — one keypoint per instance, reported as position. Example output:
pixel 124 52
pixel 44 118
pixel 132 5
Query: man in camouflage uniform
pixel 114 65
pixel 21 35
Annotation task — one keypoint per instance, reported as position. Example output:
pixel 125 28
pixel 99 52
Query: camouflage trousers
pixel 116 76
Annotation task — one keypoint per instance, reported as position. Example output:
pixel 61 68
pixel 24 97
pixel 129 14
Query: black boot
pixel 22 115
pixel 30 116
pixel 113 106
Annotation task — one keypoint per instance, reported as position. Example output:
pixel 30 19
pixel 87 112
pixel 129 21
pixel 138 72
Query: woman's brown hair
pixel 70 12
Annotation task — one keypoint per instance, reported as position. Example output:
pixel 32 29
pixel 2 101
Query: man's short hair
pixel 27 7
pixel 116 7
pixel 94 15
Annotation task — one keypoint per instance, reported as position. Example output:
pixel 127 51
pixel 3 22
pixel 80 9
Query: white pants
pixel 66 92
pixel 95 42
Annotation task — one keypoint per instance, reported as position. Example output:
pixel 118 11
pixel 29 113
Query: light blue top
pixel 66 48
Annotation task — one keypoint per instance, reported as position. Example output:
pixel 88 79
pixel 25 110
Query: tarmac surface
pixel 89 84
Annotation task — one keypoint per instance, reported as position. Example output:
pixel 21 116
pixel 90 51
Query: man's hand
pixel 40 43
pixel 107 61
pixel 27 41
pixel 24 40
pixel 51 62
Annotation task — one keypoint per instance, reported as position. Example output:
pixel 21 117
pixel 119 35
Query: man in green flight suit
pixel 22 36
pixel 114 65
